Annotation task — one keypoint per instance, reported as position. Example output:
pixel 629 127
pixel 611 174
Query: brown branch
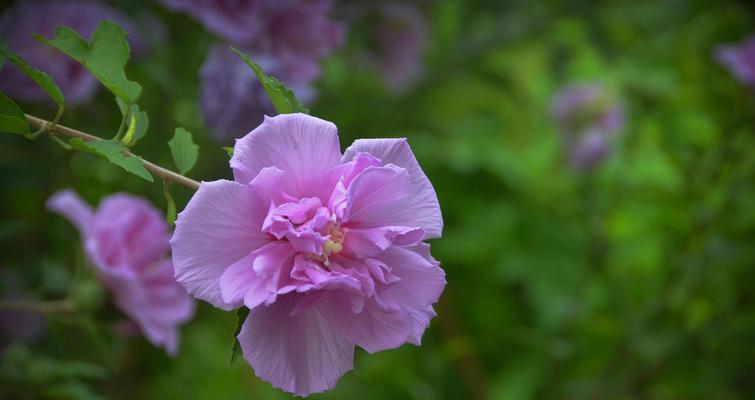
pixel 60 130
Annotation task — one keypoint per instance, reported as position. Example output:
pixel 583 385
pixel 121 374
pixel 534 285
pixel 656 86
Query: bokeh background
pixel 623 269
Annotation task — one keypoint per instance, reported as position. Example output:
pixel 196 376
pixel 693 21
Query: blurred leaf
pixel 170 207
pixel 241 314
pixel 105 57
pixel 73 390
pixel 42 79
pixel 12 119
pixel 183 149
pixel 229 150
pixel 115 153
pixel 283 98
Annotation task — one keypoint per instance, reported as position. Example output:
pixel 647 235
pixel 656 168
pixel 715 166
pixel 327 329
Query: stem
pixel 124 123
pixel 60 130
pixel 39 307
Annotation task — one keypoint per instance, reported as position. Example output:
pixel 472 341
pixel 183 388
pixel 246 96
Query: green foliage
pixel 241 315
pixel 283 98
pixel 12 119
pixel 42 79
pixel 183 149
pixel 138 122
pixel 105 56
pixel 114 152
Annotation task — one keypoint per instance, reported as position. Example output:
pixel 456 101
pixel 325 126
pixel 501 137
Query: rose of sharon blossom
pixel 297 33
pixel 29 17
pixel 589 119
pixel 325 249
pixel 739 59
pixel 232 100
pixel 127 240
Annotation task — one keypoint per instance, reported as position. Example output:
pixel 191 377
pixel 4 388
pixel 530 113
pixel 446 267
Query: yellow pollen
pixel 330 247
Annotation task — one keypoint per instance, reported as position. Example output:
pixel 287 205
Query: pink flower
pixel 126 239
pixel 325 249
pixel 739 58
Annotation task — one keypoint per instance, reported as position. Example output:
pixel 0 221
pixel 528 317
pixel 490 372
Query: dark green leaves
pixel 114 152
pixel 105 56
pixel 241 314
pixel 12 119
pixel 43 80
pixel 183 149
pixel 283 98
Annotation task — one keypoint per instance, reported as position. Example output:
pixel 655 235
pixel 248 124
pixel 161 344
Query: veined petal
pixel 423 205
pixel 301 146
pixel 371 329
pixel 421 283
pixel 369 242
pixel 300 353
pixel 220 225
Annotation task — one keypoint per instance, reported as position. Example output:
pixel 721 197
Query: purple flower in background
pixel 42 17
pixel 739 59
pixel 232 100
pixel 294 32
pixel 588 118
pixel 397 37
pixel 326 250
pixel 15 325
pixel 127 240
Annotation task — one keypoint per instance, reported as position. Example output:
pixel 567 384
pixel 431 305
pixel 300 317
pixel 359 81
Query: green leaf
pixel 228 150
pixel 283 98
pixel 42 79
pixel 183 149
pixel 105 56
pixel 170 212
pixel 115 153
pixel 241 314
pixel 12 119
pixel 137 125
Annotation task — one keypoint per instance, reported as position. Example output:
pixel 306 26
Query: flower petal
pixel 220 225
pixel 68 204
pixel 370 242
pixel 300 353
pixel 424 203
pixel 422 282
pixel 372 329
pixel 301 146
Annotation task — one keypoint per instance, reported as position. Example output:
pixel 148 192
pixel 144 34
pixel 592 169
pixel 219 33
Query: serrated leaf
pixel 283 98
pixel 183 149
pixel 241 315
pixel 105 56
pixel 115 153
pixel 42 79
pixel 12 119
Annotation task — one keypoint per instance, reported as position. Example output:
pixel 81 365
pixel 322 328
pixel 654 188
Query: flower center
pixel 333 245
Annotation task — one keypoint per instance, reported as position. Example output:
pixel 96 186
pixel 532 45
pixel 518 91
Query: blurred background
pixel 593 160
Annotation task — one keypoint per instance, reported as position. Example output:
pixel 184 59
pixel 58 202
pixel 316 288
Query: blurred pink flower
pixel 297 33
pixel 739 58
pixel 589 118
pixel 397 38
pixel 325 249
pixel 231 98
pixel 127 239
pixel 20 21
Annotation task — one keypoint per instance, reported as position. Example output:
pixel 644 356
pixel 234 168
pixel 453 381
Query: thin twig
pixel 60 130
pixel 40 307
